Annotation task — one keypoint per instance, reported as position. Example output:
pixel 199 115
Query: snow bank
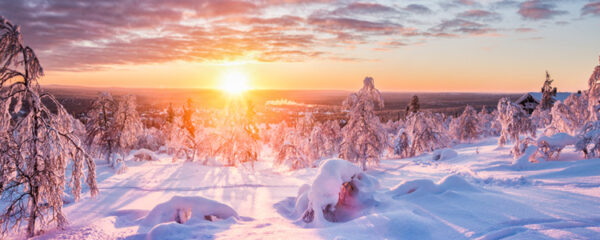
pixel 188 210
pixel 560 140
pixel 339 191
pixel 524 161
pixel 426 186
pixel 144 155
pixel 444 154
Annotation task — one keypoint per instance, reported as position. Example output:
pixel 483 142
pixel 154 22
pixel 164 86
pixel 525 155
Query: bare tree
pixel 36 143
pixel 113 127
pixel 364 135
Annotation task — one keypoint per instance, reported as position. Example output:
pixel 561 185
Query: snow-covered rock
pixel 144 155
pixel 338 192
pixel 425 186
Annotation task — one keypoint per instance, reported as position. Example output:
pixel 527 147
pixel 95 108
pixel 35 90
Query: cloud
pixel 451 27
pixel 538 9
pixel 480 15
pixel 417 8
pixel 364 8
pixel 592 8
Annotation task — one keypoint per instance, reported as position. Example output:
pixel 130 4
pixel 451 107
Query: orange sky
pixel 472 46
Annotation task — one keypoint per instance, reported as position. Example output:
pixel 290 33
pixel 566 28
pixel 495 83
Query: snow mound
pixel 426 186
pixel 444 154
pixel 144 155
pixel 524 161
pixel 559 140
pixel 191 209
pixel 338 193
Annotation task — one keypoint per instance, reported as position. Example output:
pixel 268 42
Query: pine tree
pixel 36 143
pixel 414 105
pixel 547 93
pixel 514 121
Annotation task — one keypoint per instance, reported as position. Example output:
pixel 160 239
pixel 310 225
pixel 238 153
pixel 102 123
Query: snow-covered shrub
pixel 578 104
pixel 113 126
pixel 338 193
pixel 466 127
pixel 589 140
pixel 364 138
pixel 422 128
pixel 551 146
pixel 36 143
pixel 144 154
pixel 514 121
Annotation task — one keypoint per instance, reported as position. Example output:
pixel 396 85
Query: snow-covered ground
pixel 477 194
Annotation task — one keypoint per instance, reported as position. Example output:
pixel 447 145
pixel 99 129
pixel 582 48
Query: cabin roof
pixel 537 96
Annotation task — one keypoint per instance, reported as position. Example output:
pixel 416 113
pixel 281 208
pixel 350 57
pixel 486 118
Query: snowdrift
pixel 339 192
pixel 188 209
pixel 425 186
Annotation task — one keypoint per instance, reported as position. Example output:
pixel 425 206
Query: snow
pixel 444 154
pixel 481 193
pixel 558 140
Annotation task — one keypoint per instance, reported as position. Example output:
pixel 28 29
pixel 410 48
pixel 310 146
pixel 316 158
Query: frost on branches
pixel 466 127
pixel 425 132
pixel 113 127
pixel 36 143
pixel 238 139
pixel 514 121
pixel 364 137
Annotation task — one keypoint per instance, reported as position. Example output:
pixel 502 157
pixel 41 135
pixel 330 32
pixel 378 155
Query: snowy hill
pixel 477 194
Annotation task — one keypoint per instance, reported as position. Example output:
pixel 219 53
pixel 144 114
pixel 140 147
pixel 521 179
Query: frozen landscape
pixel 477 194
pixel 299 119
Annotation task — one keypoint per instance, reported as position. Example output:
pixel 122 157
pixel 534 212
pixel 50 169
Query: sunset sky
pixel 462 45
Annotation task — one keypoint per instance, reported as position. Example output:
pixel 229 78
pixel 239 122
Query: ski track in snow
pixel 486 199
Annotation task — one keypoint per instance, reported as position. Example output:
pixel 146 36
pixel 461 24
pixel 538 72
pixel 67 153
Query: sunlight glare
pixel 234 82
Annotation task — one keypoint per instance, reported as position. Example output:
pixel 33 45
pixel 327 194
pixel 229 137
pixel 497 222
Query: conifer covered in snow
pixel 514 121
pixel 547 93
pixel 364 137
pixel 413 105
pixel 466 127
pixel 488 122
pixel 594 93
pixel 563 119
pixel 36 143
pixel 541 118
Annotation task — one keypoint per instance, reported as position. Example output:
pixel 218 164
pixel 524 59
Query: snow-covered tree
pixel 413 105
pixel 402 144
pixel 489 124
pixel 466 127
pixel 425 133
pixel 364 137
pixel 36 143
pixel 578 104
pixel 514 120
pixel 113 127
pixel 547 93
pixel 238 136
pixel 594 93
pixel 589 140
pixel 563 119
pixel 540 118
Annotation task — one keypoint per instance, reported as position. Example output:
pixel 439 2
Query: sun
pixel 234 82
